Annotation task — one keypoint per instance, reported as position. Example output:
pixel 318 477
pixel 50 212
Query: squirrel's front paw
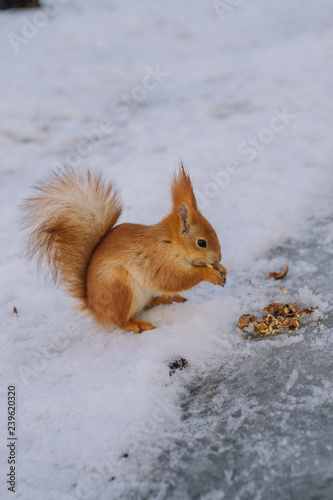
pixel 216 274
pixel 222 270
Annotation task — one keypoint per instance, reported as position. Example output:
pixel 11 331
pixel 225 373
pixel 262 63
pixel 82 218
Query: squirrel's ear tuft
pixel 184 218
pixel 182 191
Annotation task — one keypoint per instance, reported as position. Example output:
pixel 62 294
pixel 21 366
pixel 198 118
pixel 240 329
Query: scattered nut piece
pixel 279 276
pixel 260 326
pixel 245 320
pixel 306 310
pixel 15 310
pixel 279 316
pixel 289 310
pixel 274 307
pixel 290 323
pixel 285 292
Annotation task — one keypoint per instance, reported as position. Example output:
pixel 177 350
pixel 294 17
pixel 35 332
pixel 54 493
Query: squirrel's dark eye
pixel 202 243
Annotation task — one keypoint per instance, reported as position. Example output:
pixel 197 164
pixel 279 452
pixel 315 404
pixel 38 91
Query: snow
pixel 245 99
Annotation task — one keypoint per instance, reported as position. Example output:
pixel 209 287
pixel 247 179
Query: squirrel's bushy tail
pixel 68 216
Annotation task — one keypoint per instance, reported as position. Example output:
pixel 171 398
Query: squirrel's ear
pixel 184 218
pixel 182 191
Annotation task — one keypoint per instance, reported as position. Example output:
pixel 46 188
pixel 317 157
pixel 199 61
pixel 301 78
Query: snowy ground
pixel 244 95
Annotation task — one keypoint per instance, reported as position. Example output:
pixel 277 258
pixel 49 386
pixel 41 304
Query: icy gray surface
pixel 261 428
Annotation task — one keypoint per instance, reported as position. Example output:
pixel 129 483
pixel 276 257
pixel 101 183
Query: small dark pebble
pixel 177 364
pixel 111 479
pixel 125 455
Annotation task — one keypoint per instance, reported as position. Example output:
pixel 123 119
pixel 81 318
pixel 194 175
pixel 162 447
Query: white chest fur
pixel 141 295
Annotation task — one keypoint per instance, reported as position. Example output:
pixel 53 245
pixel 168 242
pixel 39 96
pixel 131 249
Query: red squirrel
pixel 116 271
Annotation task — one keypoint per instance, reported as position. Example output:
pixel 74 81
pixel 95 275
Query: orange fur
pixel 117 271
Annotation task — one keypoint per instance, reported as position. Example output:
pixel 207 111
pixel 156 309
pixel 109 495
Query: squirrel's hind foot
pixel 137 325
